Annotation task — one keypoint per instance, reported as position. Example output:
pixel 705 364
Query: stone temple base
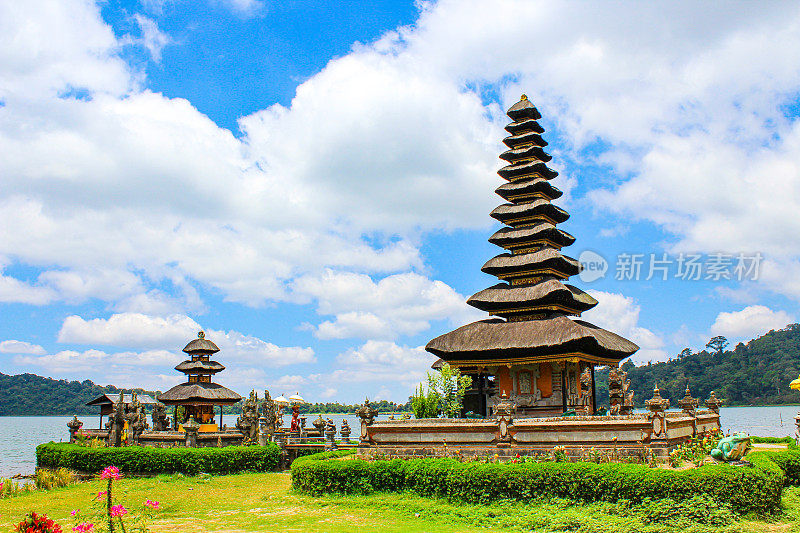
pixel 172 439
pixel 623 436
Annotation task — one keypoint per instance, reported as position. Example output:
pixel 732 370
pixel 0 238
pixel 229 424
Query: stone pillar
pixel 330 436
pixel 191 428
pixel 689 406
pixel 658 437
pixel 713 402
pixel 74 425
pixel 505 411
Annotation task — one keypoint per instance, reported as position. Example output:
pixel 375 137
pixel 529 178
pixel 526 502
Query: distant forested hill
pixel 755 373
pixel 32 395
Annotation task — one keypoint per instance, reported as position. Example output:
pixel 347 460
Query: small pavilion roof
pixel 507 237
pixel 507 299
pixel 112 398
pixel 536 264
pixel 497 339
pixel 523 214
pixel 527 169
pixel 514 190
pixel 202 392
pixel 528 152
pixel 201 345
pixel 526 137
pixel 517 127
pixel 523 109
pixel 200 367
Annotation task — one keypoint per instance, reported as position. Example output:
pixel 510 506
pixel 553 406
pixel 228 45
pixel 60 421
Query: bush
pixel 742 489
pixel 147 460
pixel 772 440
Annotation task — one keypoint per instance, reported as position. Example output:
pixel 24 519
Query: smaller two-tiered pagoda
pixel 199 395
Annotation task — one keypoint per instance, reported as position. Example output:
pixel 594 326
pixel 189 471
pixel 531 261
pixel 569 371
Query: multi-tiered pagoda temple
pixel 533 351
pixel 199 395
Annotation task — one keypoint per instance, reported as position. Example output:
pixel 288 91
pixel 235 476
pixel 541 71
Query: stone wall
pixel 625 435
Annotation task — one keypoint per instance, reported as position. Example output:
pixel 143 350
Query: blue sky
pixel 310 182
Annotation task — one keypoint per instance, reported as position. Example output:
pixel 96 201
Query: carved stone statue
pixel 345 431
pixel 367 414
pixel 586 390
pixel 160 418
pixel 247 423
pixel 330 435
pixel 731 449
pixel 74 425
pixel 505 412
pixel 620 400
pixel 116 422
pixel 269 415
pixel 136 417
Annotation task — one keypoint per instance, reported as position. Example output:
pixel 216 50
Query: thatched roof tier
pixel 528 213
pixel 498 341
pixel 549 295
pixel 517 191
pixel 544 262
pixel 199 394
pixel 527 153
pixel 544 232
pixel 200 367
pixel 515 128
pixel 524 139
pixel 201 346
pixel 523 109
pixel 529 169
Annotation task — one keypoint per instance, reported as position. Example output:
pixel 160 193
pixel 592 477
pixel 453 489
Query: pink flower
pixel 152 504
pixel 101 494
pixel 85 527
pixel 118 510
pixel 110 472
pixel 73 513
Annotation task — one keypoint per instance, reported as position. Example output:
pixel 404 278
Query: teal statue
pixel 731 448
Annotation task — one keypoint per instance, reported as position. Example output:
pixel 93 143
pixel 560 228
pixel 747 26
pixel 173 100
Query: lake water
pixel 19 435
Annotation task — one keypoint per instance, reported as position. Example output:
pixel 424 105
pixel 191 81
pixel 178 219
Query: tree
pixel 686 352
pixel 718 344
pixel 450 386
pixel 425 404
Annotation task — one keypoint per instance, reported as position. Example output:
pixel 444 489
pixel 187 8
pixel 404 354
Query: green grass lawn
pixel 266 502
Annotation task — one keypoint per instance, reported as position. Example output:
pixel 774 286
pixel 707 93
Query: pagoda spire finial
pixel 523 97
pixel 201 334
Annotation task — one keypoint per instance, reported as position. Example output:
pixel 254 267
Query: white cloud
pixel 131 330
pixel 136 330
pixel 400 304
pixel 71 362
pixel 401 134
pixel 13 290
pixel 620 314
pixel 153 39
pixel 750 322
pixel 21 347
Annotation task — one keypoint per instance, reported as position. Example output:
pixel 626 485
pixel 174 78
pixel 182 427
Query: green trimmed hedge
pixel 772 440
pixel 742 489
pixel 148 460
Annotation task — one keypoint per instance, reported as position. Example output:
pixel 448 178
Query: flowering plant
pixel 35 523
pixel 111 516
